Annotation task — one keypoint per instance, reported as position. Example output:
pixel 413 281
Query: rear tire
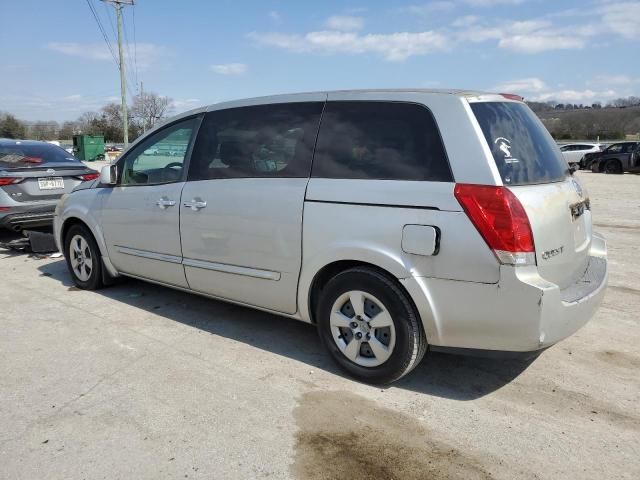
pixel 613 167
pixel 370 326
pixel 83 258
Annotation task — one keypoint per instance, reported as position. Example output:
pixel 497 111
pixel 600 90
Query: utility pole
pixel 144 114
pixel 118 4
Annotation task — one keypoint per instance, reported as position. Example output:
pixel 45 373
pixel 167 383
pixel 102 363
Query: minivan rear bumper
pixel 521 313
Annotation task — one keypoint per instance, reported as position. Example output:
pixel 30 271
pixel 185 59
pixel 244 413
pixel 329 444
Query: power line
pixel 104 35
pixel 106 11
pixel 113 30
pixel 135 42
pixel 129 57
pixel 118 4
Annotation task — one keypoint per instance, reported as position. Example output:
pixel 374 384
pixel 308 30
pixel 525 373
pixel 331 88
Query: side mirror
pixel 108 175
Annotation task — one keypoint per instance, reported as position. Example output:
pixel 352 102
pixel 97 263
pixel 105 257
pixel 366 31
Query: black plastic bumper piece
pixel 26 220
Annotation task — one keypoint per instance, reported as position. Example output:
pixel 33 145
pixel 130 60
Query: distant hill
pixel 589 123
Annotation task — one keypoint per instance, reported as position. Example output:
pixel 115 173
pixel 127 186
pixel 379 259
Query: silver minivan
pixel 394 220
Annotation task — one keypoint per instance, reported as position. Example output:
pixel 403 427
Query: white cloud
pixel 345 23
pixel 465 21
pixel 38 106
pixel 229 68
pixel 146 54
pixel 525 85
pixel 93 51
pixel 492 3
pixel 540 42
pixel 575 96
pixel 428 8
pixel 551 32
pixel 392 46
pixel 622 18
pixel 275 16
pixel 615 80
pixel 182 104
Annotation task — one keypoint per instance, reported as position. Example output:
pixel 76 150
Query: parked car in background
pixel 616 158
pixel 432 219
pixel 33 176
pixel 574 152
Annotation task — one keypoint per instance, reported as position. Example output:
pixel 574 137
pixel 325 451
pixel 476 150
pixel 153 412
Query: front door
pixel 140 215
pixel 241 212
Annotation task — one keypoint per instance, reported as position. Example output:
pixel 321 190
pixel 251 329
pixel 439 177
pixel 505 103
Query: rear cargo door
pixel 533 168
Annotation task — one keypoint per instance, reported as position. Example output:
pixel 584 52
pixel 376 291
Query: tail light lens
pixel 9 180
pixel 89 176
pixel 32 160
pixel 500 218
pixel 512 96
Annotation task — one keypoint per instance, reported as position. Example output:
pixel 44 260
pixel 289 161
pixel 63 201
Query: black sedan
pixel 616 158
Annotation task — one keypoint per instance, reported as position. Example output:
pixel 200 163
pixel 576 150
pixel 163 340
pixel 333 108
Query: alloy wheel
pixel 81 259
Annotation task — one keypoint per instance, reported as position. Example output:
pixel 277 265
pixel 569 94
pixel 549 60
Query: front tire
pixel 613 167
pixel 370 326
pixel 83 258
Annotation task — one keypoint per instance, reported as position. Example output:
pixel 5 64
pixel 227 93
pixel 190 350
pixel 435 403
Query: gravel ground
pixel 139 381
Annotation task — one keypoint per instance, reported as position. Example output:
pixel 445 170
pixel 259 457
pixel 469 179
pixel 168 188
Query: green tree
pixel 11 127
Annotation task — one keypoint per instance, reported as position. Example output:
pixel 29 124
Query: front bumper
pixel 521 313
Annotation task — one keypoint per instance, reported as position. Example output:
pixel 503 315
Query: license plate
pixel 51 183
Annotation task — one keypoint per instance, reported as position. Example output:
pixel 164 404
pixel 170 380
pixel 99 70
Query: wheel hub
pixel 362 328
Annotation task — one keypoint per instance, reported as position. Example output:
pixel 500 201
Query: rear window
pixel 380 140
pixel 21 155
pixel 522 148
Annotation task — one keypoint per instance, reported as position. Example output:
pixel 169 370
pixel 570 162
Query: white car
pixel 574 152
pixel 395 221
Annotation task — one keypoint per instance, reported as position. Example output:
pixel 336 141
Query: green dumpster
pixel 88 147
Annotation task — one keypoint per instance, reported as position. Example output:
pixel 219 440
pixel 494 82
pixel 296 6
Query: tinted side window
pixel 380 140
pixel 259 141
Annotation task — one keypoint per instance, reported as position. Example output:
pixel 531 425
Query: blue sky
pixel 55 63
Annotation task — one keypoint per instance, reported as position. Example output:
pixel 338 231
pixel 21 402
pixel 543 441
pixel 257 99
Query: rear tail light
pixel 512 96
pixel 9 180
pixel 32 160
pixel 89 176
pixel 500 218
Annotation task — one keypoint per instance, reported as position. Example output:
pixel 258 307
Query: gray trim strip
pixel 188 262
pixel 234 269
pixel 151 255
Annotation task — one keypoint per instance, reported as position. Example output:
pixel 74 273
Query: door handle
pixel 165 202
pixel 195 204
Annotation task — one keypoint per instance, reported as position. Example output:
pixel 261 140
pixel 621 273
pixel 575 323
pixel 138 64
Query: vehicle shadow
pixel 443 375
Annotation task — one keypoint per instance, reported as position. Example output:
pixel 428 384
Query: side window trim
pixel 187 158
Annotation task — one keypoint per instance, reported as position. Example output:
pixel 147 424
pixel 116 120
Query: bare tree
pixel 149 108
pixel 43 130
